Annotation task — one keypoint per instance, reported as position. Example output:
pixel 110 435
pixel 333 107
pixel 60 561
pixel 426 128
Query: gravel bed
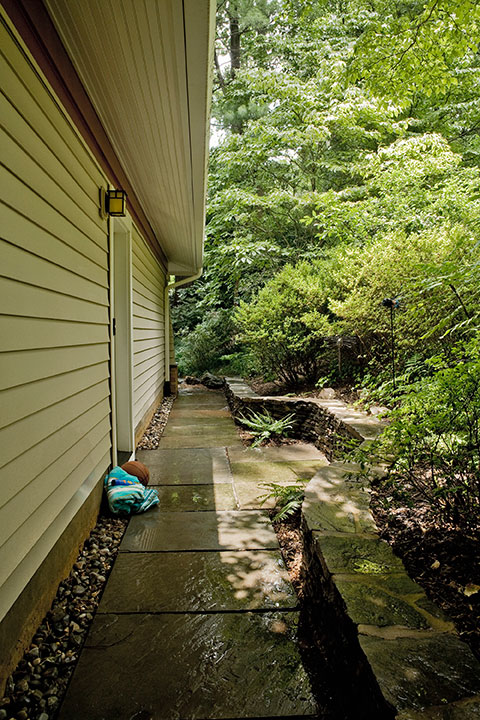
pixel 36 687
pixel 154 432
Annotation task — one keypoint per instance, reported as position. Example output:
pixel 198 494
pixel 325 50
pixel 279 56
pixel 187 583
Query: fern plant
pixel 264 426
pixel 288 498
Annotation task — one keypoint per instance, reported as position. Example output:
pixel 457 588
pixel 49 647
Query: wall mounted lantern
pixel 116 203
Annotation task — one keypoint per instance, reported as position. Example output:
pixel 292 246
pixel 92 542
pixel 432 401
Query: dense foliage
pixel 432 444
pixel 344 171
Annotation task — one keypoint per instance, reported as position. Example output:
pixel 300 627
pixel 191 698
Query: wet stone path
pixel 198 618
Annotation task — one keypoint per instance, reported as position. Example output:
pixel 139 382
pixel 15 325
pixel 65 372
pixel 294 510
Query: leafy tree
pixel 413 46
pixel 202 348
pixel 317 158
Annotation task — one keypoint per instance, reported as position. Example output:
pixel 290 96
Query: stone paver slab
pixel 276 472
pixel 200 414
pixel 189 666
pixel 333 476
pixel 200 402
pixel 195 466
pixel 417 672
pixel 369 604
pixel 398 584
pixel 198 581
pixel 200 441
pixel 463 710
pixel 353 554
pixel 249 494
pixel 296 452
pixel 167 531
pixel 190 498
pixel 207 426
pixel 342 508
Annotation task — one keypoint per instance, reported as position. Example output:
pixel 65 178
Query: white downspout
pixel 169 287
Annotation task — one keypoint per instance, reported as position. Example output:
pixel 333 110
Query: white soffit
pixel 146 65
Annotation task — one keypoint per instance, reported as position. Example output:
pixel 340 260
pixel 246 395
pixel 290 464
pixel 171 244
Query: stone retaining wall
pixel 330 424
pixel 383 620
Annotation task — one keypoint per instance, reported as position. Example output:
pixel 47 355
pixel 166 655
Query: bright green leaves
pixel 415 48
pixel 432 443
pixel 264 426
pixel 286 325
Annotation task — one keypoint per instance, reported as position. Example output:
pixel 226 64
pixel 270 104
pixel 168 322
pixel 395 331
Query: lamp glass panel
pixel 116 205
pixel 116 202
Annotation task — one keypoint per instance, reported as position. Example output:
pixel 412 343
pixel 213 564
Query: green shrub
pixel 202 348
pixel 396 266
pixel 241 363
pixel 287 323
pixel 432 444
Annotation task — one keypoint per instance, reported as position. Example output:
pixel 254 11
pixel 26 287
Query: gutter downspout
pixel 169 287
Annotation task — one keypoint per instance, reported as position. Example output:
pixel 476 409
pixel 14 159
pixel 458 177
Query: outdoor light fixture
pixel 116 203
pixel 392 304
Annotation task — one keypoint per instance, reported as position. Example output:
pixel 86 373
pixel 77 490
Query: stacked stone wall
pixel 329 424
pixel 394 650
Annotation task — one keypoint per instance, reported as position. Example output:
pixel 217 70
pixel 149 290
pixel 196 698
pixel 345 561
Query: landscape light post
pixel 392 303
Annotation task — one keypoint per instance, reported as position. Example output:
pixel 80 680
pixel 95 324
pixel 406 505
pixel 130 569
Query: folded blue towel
pixel 125 495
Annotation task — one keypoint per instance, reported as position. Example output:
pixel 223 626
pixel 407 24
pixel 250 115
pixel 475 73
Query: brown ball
pixel 139 470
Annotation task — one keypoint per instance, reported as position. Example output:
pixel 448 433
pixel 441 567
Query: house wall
pixel 148 282
pixel 55 347
pixel 55 439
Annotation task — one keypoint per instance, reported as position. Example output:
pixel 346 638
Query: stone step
pixel 411 647
pixel 185 666
pixel 198 581
pixel 174 531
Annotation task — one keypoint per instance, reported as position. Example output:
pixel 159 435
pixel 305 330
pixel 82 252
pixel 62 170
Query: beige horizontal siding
pixel 27 563
pixel 19 368
pixel 148 328
pixel 20 263
pixel 27 467
pixel 54 323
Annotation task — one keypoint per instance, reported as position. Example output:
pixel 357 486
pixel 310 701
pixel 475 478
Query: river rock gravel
pixel 153 433
pixel 35 688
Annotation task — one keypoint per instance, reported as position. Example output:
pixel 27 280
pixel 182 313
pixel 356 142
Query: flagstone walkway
pixel 198 617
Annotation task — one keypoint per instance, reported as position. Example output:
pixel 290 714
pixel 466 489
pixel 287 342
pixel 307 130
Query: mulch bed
pixel 443 559
pixel 289 536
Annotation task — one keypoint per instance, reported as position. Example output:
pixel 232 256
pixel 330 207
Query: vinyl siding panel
pixel 19 368
pixel 54 323
pixel 148 283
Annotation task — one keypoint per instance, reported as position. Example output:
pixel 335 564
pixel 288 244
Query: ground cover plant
pixel 288 498
pixel 265 427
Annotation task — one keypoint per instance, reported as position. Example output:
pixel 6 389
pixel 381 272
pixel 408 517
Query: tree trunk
pixel 234 41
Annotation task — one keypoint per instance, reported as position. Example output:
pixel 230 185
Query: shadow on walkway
pixel 198 618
